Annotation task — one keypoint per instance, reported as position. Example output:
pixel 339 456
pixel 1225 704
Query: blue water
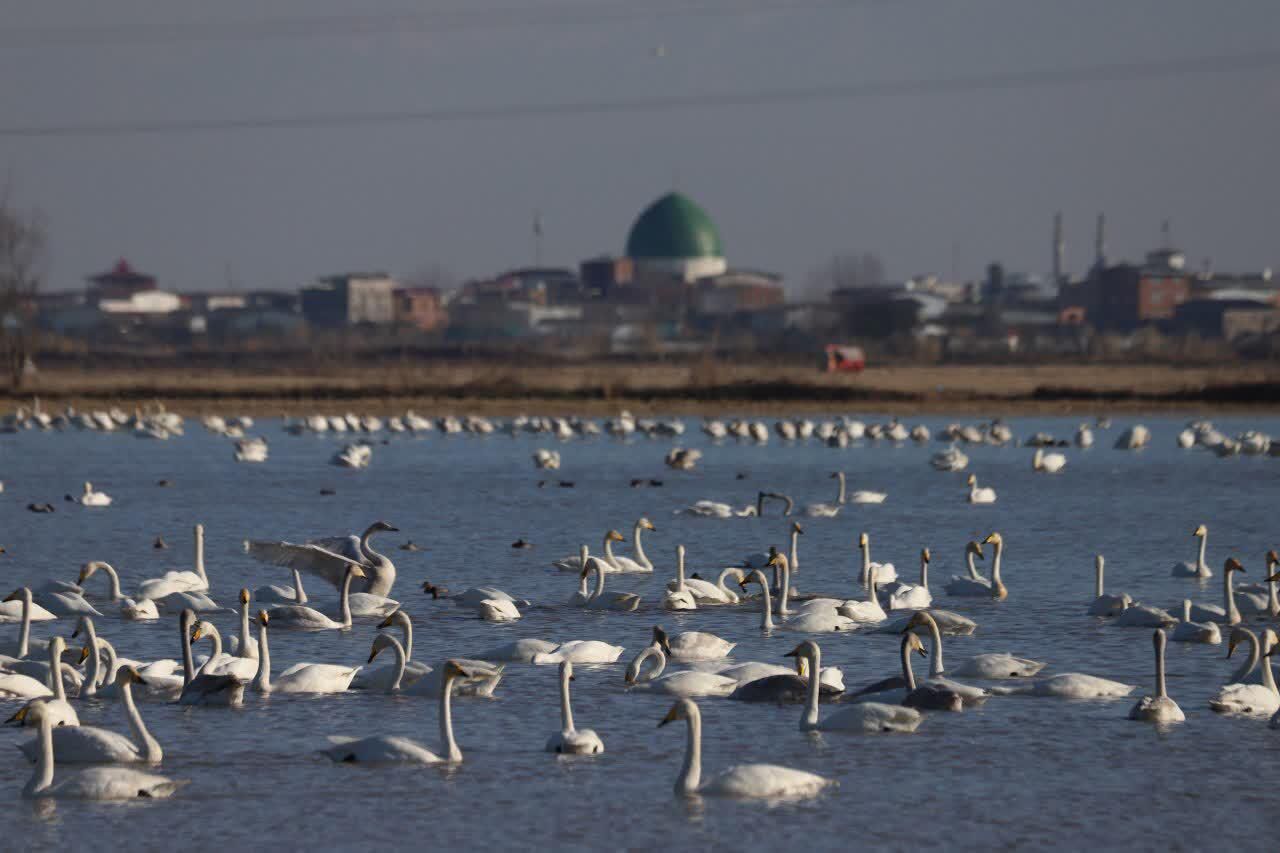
pixel 1036 773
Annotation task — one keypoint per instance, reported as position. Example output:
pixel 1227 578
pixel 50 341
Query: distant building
pixel 352 299
pixel 121 282
pixel 1124 297
pixel 676 237
pixel 422 308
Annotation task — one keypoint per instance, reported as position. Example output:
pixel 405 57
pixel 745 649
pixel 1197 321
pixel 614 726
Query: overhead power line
pixel 956 85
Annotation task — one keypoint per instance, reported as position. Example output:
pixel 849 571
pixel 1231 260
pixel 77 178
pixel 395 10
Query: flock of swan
pixel 49 679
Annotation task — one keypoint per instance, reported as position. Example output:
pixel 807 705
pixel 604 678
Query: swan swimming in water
pixel 681 597
pixel 1252 699
pixel 570 740
pixel 328 559
pixel 689 684
pixel 865 717
pixel 885 572
pixel 91 498
pixel 97 783
pixel 1228 613
pixel 1159 708
pixel 757 781
pixel 1103 604
pixel 831 510
pixel 93 745
pixel 301 677
pixel 203 688
pixel 1188 631
pixel 308 618
pixel 692 646
pixel 1199 569
pixel 624 601
pixel 983 495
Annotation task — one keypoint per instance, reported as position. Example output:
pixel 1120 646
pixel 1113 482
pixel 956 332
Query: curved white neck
pixel 1229 599
pixel 448 745
pixel 691 771
pixel 299 594
pixel 42 776
pixel 785 592
pixel 1255 655
pixel 608 552
pixel 344 606
pixel 55 673
pixel 215 637
pixel 635 669
pixel 640 555
pixel 970 556
pixel 113 580
pixel 995 565
pixel 766 610
pixel 1268 677
pixel 730 594
pixel 809 720
pixel 907 675
pixel 840 497
pixel 402 658
pixel 24 631
pixel 200 554
pixel 1097 577
pixel 93 676
pixel 109 662
pixel 147 744
pixel 566 710
pixel 262 678
pixel 598 594
pixel 935 657
pixel 869 585
pixel 406 625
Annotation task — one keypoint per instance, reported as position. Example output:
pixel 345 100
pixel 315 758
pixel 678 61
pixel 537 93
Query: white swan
pixel 204 689
pixel 980 587
pixel 624 601
pixel 57 709
pixel 580 651
pixel 1047 463
pixel 885 572
pixel 690 683
pixel 65 603
pixel 179 581
pixel 301 677
pixel 23 644
pixel 498 610
pixel 93 745
pixel 913 596
pixel 717 509
pixel 400 750
pixel 91 498
pixel 570 740
pixel 990 666
pixel 1139 615
pixel 766 603
pixel 680 598
pixel 19 606
pixel 219 662
pixel 951 459
pixel 692 646
pixel 473 597
pixel 275 594
pixel 159 681
pixel 641 562
pixel 865 496
pixel 1198 569
pixel 1159 708
pixel 243 644
pixel 968 583
pixel 381 677
pixel 520 651
pixel 1188 631
pixel 831 510
pixel 301 616
pixel 97 783
pixel 825 615
pixel 136 610
pixel 327 558
pixel 1068 685
pixel 1250 699
pixel 761 560
pixel 759 781
pixel 864 717
pixel 1228 613
pixel 705 592
pixel 1103 604
pixel 980 495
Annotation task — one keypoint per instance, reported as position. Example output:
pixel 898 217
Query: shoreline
pixel 647 388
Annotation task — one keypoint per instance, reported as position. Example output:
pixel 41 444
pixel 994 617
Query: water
pixel 1019 771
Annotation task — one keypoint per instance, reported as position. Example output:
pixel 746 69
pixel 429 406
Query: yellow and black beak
pixel 671 717
pixel 18 718
pixel 84 655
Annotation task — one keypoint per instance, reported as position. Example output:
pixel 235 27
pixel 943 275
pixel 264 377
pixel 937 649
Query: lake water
pixel 1027 772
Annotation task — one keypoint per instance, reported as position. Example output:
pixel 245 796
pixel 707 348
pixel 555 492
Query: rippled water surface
pixel 1019 771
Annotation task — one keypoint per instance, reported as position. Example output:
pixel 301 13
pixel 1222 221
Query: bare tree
pixel 849 269
pixel 22 259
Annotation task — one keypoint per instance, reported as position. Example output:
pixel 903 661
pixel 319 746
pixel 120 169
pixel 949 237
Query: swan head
pixel 1238 636
pixel 684 709
pixel 614 536
pixel 454 669
pixel 913 643
pixel 128 675
pixel 355 571
pixel 87 570
pixel 777 560
pixel 1200 530
pixel 20 717
pixel 973 480
pixel 1233 565
pixel 803 652
pixel 380 642
pixel 85 624
pixel 379 526
pixel 924 555
pixel 19 594
pixel 645 524
pixel 84 656
pixel 993 539
pixel 974 548
pixel 390 620
pixel 863 540
pixel 796 528
pixel 203 629
pixel 919 619
pixel 263 618
pixel 1273 559
pixel 1269 639
pixel 744 578
pixel 244 596
pixel 661 640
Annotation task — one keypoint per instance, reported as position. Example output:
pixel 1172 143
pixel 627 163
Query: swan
pixel 932 695
pixel 864 496
pixel 159 681
pixel 977 586
pixel 1103 604
pixel 57 709
pixel 219 662
pixel 760 781
pixel 91 498
pixel 832 611
pixel 15 685
pixel 913 596
pixel 401 750
pixel 951 459
pixel 498 610
pixel 1198 569
pixel 97 783
pixel 885 573
pixel 578 562
pixel 1138 615
pixel 823 510
pixel 22 646
pixel 19 606
pixel 641 562
pixel 67 604
pixel 179 581
pixel 1047 463
pixel 1068 685
pixel 521 651
pixel 1159 708
pixel 690 683
pixel 692 646
pixel 990 666
pixel 204 689
pixel 766 603
pixel 328 558
pixel 273 594
pixel 137 610
pixel 582 596
pixel 625 601
pixel 980 495
pixel 760 682
pixel 1188 631
pixel 936 693
pixel 864 717
pixel 480 678
pixel 93 745
pixel 680 598
pixel 762 560
pixel 1228 613
pixel 580 651
pixel 705 592
pixel 717 509
pixel 473 597
pixel 1252 699
pixel 381 677
pixel 571 740
pixel 301 677
pixel 243 644
pixel 301 616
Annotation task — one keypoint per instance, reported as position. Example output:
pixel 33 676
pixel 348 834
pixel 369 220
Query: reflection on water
pixel 1017 771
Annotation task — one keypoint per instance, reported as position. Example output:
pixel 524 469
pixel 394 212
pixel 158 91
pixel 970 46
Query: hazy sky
pixel 932 181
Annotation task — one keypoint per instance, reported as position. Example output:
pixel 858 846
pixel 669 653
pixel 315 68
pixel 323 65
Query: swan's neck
pixel 109 663
pixel 244 631
pixel 566 710
pixel 995 564
pixel 1268 677
pixel 1255 655
pixel 866 561
pixel 1161 690
pixel 94 675
pixel 24 631
pixel 794 556
pixel 42 776
pixel 766 611
pixel 262 678
pixel 1097 579
pixel 810 718
pixel 1186 610
pixel 344 606
pixel 200 554
pixel 785 592
pixel 1273 602
pixel 299 594
pixel 691 772
pixel 448 745
pixel 907 675
pixel 608 552
pixel 733 596
pixel 188 665
pixel 380 569
pixel 924 573
pixel 640 555
pixel 1229 599
pixel 1201 566
pixel 146 743
pixel 55 673
pixel 635 670
pixel 935 658
pixel 402 658
pixel 840 498
pixel 970 556
pixel 216 638
pixel 406 624
pixel 114 578
pixel 680 570
pixel 598 595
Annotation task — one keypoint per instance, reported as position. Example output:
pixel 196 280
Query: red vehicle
pixel 845 359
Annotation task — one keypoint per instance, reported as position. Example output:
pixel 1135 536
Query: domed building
pixel 675 236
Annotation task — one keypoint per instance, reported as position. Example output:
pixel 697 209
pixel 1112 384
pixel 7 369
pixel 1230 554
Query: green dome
pixel 674 227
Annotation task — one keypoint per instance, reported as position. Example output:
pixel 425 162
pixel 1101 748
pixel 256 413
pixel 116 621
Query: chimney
pixel 1059 249
pixel 1100 242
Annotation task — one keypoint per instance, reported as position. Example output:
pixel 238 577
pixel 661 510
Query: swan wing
pixel 114 783
pixel 765 781
pixel 315 678
pixel 871 717
pixel 380 749
pixel 314 559
pixel 85 745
